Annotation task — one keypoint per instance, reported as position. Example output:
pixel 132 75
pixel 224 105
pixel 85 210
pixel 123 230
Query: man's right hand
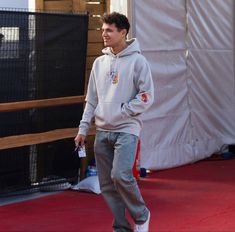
pixel 79 140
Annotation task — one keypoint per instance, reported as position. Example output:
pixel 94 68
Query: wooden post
pixel 79 5
pixel 107 6
pixel 39 5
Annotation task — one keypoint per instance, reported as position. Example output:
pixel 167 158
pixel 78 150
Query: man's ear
pixel 123 31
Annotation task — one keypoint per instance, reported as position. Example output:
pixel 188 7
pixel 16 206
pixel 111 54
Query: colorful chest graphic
pixel 114 77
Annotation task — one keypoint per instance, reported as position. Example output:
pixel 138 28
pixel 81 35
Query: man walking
pixel 120 89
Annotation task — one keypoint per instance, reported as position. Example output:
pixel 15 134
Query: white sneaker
pixel 143 227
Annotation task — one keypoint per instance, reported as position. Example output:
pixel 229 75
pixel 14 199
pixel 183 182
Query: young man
pixel 120 89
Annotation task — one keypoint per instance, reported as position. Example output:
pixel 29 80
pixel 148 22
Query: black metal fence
pixel 42 55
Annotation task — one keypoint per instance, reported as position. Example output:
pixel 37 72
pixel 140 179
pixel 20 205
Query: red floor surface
pixel 192 198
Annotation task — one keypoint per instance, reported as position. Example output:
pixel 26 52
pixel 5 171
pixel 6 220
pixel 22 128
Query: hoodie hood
pixel 133 47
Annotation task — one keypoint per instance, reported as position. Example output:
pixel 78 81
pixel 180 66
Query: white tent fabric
pixel 193 71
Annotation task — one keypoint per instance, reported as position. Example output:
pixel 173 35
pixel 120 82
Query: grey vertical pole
pixel 234 42
pixel 131 17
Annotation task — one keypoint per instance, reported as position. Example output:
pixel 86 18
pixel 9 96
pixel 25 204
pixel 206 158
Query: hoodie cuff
pixel 82 131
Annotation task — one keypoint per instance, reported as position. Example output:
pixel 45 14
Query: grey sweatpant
pixel 115 155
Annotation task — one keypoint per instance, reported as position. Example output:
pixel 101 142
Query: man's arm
pixel 88 114
pixel 145 96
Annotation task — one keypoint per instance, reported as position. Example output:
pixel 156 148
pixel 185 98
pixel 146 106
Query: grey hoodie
pixel 120 89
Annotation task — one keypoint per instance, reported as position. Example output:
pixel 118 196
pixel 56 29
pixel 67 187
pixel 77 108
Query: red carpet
pixel 192 198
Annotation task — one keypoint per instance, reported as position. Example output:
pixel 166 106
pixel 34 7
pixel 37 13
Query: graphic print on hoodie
pixel 120 89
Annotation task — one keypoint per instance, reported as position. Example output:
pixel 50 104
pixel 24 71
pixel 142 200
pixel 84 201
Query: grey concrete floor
pixel 23 196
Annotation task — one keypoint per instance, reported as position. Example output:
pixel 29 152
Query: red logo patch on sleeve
pixel 144 97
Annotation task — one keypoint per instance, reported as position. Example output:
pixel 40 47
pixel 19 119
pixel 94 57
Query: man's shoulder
pixel 139 58
pixel 100 58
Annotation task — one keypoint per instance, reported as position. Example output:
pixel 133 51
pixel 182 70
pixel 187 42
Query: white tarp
pixel 194 111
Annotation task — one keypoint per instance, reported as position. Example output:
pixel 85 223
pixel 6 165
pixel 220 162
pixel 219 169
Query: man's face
pixel 111 36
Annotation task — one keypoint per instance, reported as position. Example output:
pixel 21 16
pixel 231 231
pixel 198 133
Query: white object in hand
pixel 81 151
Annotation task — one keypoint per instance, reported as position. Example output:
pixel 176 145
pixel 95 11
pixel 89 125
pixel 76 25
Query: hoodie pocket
pixel 109 115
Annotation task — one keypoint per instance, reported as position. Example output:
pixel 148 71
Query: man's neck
pixel 119 48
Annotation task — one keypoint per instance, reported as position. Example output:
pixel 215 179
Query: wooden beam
pixel 94 49
pixel 95 36
pixel 89 61
pixel 61 6
pixel 95 23
pixel 22 105
pixel 95 9
pixel 101 1
pixel 38 138
pixel 107 6
pixel 39 5
pixel 79 5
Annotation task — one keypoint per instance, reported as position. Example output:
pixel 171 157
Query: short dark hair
pixel 120 20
